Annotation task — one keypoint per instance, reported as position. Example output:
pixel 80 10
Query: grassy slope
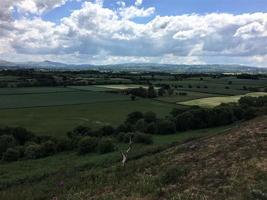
pixel 63 164
pixel 215 101
pixel 231 165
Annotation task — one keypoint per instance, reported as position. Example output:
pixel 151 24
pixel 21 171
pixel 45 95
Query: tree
pixel 133 117
pixel 166 126
pixel 107 130
pixel 106 146
pixel 140 125
pixel 33 151
pixel 87 145
pixel 151 92
pixel 161 91
pixel 48 148
pixel 151 128
pixel 6 141
pixel 133 98
pixel 22 135
pixel 11 155
pixel 150 117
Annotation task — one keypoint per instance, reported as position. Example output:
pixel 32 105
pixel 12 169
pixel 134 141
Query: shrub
pixel 140 125
pixel 133 117
pixel 142 138
pixel 21 150
pixel 11 155
pixel 151 128
pixel 123 137
pixel 150 117
pixel 106 146
pixel 166 127
pixel 22 135
pixel 6 141
pixel 33 151
pixel 107 130
pixel 87 145
pixel 64 145
pixel 48 148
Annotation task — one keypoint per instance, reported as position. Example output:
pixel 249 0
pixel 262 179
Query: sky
pixel 127 31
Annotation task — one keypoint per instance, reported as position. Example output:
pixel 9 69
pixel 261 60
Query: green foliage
pixel 48 148
pixel 150 117
pixel 133 117
pixel 140 125
pixel 6 141
pixel 166 126
pixel 33 151
pixel 142 138
pixel 107 130
pixel 87 145
pixel 106 145
pixel 11 155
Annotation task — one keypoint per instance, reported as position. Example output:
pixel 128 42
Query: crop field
pixel 189 96
pixel 215 101
pixel 56 99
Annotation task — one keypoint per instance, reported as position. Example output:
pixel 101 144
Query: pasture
pixel 189 96
pixel 57 120
pixel 215 101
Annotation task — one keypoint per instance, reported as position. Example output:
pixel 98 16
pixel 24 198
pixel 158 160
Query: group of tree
pixel 19 143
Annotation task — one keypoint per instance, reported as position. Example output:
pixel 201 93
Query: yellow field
pixel 122 87
pixel 215 101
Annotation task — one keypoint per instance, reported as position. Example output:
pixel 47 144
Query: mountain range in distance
pixel 135 67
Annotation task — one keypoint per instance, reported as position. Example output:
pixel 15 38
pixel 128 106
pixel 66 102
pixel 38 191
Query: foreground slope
pixel 232 165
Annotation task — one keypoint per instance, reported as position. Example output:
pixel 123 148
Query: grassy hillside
pixel 226 165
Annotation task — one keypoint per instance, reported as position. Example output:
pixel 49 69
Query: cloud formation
pixel 94 32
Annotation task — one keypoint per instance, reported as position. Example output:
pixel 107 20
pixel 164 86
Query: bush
pixel 6 141
pixel 48 148
pixel 22 135
pixel 142 138
pixel 166 127
pixel 106 146
pixel 107 130
pixel 64 145
pixel 151 128
pixel 33 151
pixel 87 145
pixel 140 125
pixel 123 137
pixel 21 150
pixel 11 155
pixel 133 117
pixel 150 117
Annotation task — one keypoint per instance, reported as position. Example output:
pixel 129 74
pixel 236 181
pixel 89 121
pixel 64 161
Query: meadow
pixel 215 101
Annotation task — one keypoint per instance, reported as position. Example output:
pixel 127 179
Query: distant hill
pixel 136 67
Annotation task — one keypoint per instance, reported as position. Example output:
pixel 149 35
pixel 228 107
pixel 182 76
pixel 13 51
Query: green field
pixel 57 98
pixel 215 101
pixel 57 120
pixel 190 95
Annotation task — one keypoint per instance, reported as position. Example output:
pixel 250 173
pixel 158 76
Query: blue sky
pixel 118 31
pixel 172 7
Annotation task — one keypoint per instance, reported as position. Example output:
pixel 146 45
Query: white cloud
pixel 138 2
pixel 132 12
pixel 100 34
